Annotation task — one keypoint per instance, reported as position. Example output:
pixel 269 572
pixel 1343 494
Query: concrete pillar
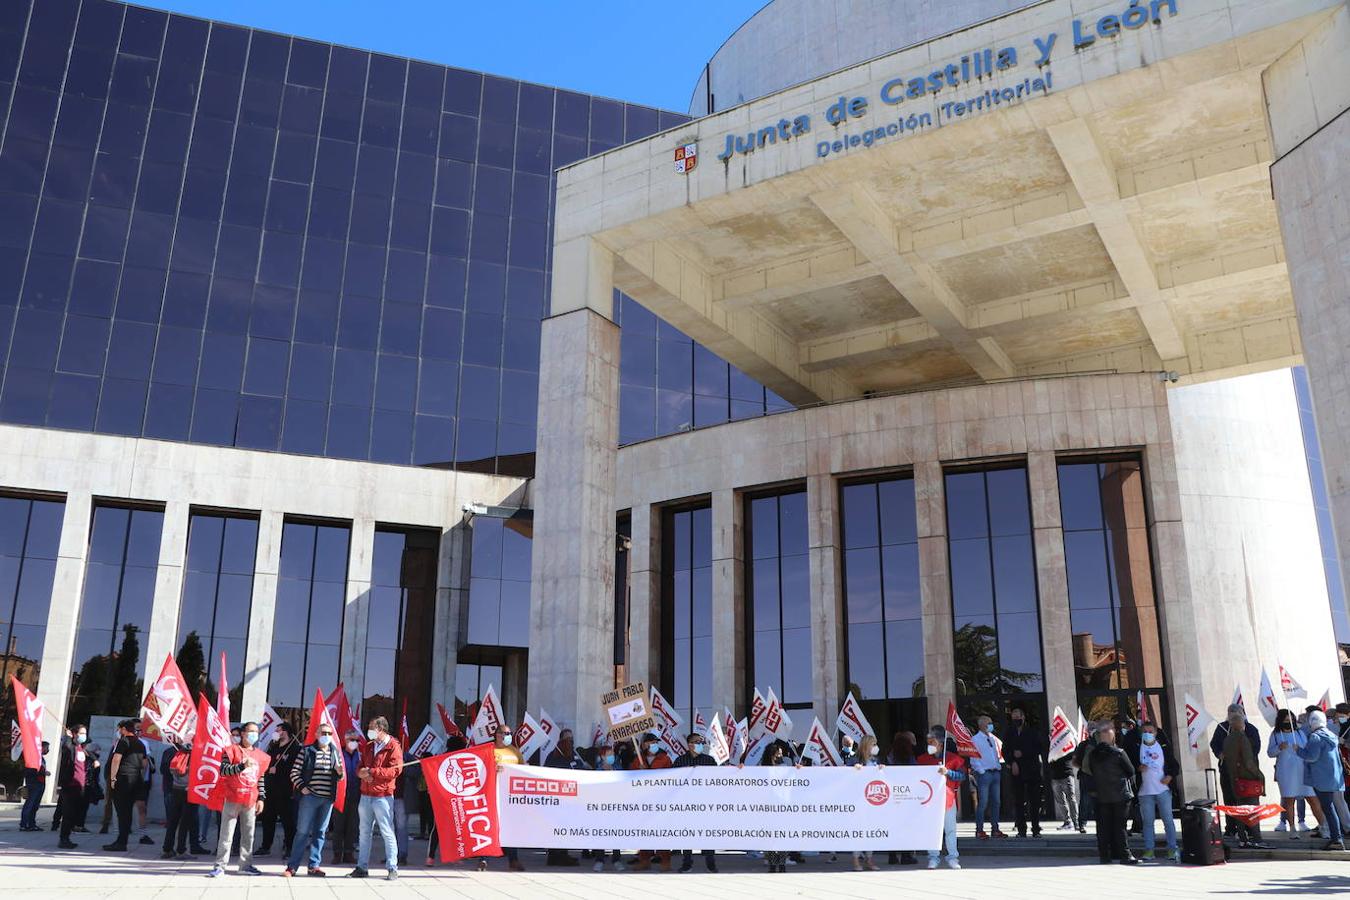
pixel 452 615
pixel 162 639
pixel 352 657
pixel 572 591
pixel 258 655
pixel 1052 582
pixel 1309 113
pixel 728 602
pixel 63 617
pixel 827 598
pixel 644 596
pixel 935 589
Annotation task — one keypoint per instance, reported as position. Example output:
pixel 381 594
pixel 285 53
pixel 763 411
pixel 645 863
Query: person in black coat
pixel 563 756
pixel 1112 776
pixel 696 756
pixel 1225 782
pixel 1024 749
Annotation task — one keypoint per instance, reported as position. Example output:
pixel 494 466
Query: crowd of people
pixel 1122 777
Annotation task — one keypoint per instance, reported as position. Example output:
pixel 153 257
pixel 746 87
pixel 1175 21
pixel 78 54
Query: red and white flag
pixel 322 714
pixel 489 718
pixel 167 712
pixel 29 709
pixel 552 731
pixel 1238 699
pixel 852 721
pixel 700 723
pixel 267 727
pixel 15 741
pixel 335 710
pixel 425 743
pixel 208 749
pixel 665 714
pixel 1063 736
pixel 1325 702
pixel 1290 685
pixel 674 740
pixel 223 694
pixel 447 723
pixel 957 731
pixel 756 717
pixel 1266 701
pixel 754 753
pixel 403 736
pixel 462 787
pixel 597 734
pixel 732 731
pixel 742 742
pixel 776 720
pixel 1197 720
pixel 718 748
pixel 1082 726
pixel 529 737
pixel 1140 701
pixel 819 748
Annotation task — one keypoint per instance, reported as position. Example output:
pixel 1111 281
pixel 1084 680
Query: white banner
pixel 724 808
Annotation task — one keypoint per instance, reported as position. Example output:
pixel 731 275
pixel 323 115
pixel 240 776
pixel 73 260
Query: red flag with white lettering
pixel 322 714
pixel 167 712
pixel 463 791
pixel 336 710
pixel 208 748
pixel 29 709
pixel 957 730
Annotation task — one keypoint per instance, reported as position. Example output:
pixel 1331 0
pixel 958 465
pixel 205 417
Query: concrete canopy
pixel 1120 218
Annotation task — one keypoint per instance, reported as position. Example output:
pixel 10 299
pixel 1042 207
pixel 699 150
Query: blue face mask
pixel 989 728
pixel 325 740
pixel 698 748
pixel 609 759
pixel 1148 737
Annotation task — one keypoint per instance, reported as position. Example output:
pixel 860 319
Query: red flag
pixel 167 710
pixel 404 739
pixel 451 729
pixel 208 748
pixel 463 791
pixel 319 715
pixel 336 709
pixel 1251 814
pixel 29 709
pixel 957 730
pixel 1325 703
pixel 223 696
pixel 1143 709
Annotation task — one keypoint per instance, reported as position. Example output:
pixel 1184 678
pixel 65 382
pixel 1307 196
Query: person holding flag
pixel 244 793
pixel 505 755
pixel 35 784
pixel 345 817
pixel 381 761
pixel 1237 718
pixel 317 777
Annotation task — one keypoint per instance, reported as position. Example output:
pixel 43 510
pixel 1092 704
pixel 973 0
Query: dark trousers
pixel 1111 831
pixel 28 814
pixel 124 802
pixel 1027 804
pixel 72 799
pixel 709 859
pixel 282 809
pixel 344 827
pixel 1252 833
pixel 181 827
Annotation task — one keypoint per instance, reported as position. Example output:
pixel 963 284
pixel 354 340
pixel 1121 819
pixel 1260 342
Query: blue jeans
pixel 28 814
pixel 401 826
pixel 377 812
pixel 1158 805
pixel 311 824
pixel 989 784
pixel 1335 827
pixel 949 837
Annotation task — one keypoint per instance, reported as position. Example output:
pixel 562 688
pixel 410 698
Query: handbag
pixel 1249 787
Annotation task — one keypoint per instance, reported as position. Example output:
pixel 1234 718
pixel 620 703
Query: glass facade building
pixel 686 609
pixel 778 599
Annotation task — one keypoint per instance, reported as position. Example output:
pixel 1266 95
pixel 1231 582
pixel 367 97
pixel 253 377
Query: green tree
pixel 977 668
pixel 191 661
pixel 124 688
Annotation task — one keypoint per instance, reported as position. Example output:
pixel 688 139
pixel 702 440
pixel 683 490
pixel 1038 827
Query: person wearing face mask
pixel 72 774
pixel 952 766
pixel 606 760
pixel 652 755
pixel 563 756
pixel 1286 739
pixel 988 769
pixel 128 771
pixel 869 754
pixel 1244 773
pixel 505 755
pixel 776 755
pixel 1217 742
pixel 315 779
pixel 848 751
pixel 181 816
pixel 346 824
pixel 1113 778
pixel 381 760
pixel 245 792
pixel 281 805
pixel 1326 775
pixel 697 756
pixel 1157 770
pixel 1024 748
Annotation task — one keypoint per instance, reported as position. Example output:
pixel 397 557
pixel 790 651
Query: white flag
pixel 425 743
pixel 1197 720
pixel 776 721
pixel 700 723
pixel 1082 726
pixel 717 742
pixel 756 717
pixel 1266 702
pixel 754 752
pixel 267 726
pixel 674 740
pixel 665 714
pixel 852 721
pixel 1063 736
pixel 1325 703
pixel 15 741
pixel 488 720
pixel 529 737
pixel 742 741
pixel 552 731
pixel 1238 700
pixel 1290 686
pixel 819 748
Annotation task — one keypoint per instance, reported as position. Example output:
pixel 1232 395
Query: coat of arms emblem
pixel 686 157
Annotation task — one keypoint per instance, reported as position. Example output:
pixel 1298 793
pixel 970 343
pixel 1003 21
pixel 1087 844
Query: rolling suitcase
pixel 1201 835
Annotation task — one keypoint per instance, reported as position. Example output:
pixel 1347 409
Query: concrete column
pixel 512 691
pixel 644 596
pixel 452 615
pixel 162 639
pixel 63 617
pixel 258 655
pixel 1309 112
pixel 572 592
pixel 352 658
pixel 1052 582
pixel 935 589
pixel 827 598
pixel 728 602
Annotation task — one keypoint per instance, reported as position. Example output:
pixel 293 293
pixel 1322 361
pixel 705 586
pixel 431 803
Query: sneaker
pixel 216 872
pixel 167 854
pixel 1293 836
pixel 933 862
pixel 952 863
pixel 147 839
pixel 1000 834
pixel 712 867
pixel 686 867
pixel 857 864
pixel 598 867
pixel 250 870
pixel 1302 826
pixel 391 875
pixel 289 873
pixel 357 873
pixel 66 845
pixel 115 848
pixel 1174 855
pixel 979 833
pixel 1146 854
pixel 1067 826
pixel 1258 845
pixel 316 872
pixel 1282 827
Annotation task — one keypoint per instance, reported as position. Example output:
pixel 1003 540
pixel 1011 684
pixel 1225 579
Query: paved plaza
pixel 31 868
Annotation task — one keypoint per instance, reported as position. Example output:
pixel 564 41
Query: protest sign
pixel 626 712
pixel 462 787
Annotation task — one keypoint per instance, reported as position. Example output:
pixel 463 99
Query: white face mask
pixel 250 737
pixel 506 739
pixel 352 745
pixel 932 749
pixel 372 734
pixel 234 738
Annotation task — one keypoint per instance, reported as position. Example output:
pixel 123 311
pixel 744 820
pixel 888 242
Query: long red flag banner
pixel 29 709
pixel 463 790
pixel 208 748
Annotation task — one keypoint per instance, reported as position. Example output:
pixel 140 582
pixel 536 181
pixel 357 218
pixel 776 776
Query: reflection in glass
pixel 778 581
pixel 310 607
pixel 401 621
pixel 217 598
pixel 499 586
pixel 686 608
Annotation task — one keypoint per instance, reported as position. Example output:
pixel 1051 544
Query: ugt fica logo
pixel 686 157
pixel 877 792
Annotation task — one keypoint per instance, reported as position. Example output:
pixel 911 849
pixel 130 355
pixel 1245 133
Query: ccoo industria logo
pixel 686 157
pixel 528 791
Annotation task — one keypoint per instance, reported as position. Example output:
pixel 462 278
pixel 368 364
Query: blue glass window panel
pixel 445 282
pixel 150 239
pixel 308 63
pixel 1009 503
pixel 482 339
pixel 311 372
pixel 710 373
pixel 133 79
pixel 304 427
pixel 219 97
pixel 316 317
pixel 130 350
pixel 454 183
pixel 121 408
pixel 74 401
pixel 490 237
pixel 637 413
pixel 21 165
pixel 329 212
pixel 88 73
pixel 640 122
pixel 261 103
pixel 411 224
pixel 463 91
pixel 426 84
pixel 32 113
pixel 450 232
pixel 176 355
pixel 185 298
pixel 47 281
pixel 370 219
pixel 379 124
pixel 405 276
pixel 1014 574
pixel 246 200
pixel 267 56
pixel 222 361
pixel 477 441
pixel 442 331
pixel 1019 647
pixel 301 109
pixel 674 411
pixel 1080 496
pixel 341 116
pixel 860 515
pixel 900 580
pixel 265 373
pixel 459 138
pixel 904 658
pixel 348 432
pixel 521 348
pixel 416 176
pixel 58 226
pixel 478 398
pixel 231 301
pixel 259 423
pixel 438 387
pixel 36 336
pixel 898 517
pixel 168 414
pixel 211 144
pixel 287 206
pixel 365 268
pixel 573 112
pixel 359 323
pixel 529 244
pixel 214 414
pixel 141 294
pixel 273 314
pixel 194 245
pixel 17 214
pixel 967 515
pixel 493 190
pixel 323 265
pixel 68 172
pixel 972 582
pixel 295 157
pixel 1085 559
pixel 396 383
pixel 181 65
pixel 94 287
pixel 170 133
pixel 487 286
pixel 280 262
pixel 434 440
pixel 26 393
pixel 354 377
pixel 391 437
pixel 386 78
pixel 520 397
pixel 606 120
pixel 531 197
pixel 124 128
pixel 143 31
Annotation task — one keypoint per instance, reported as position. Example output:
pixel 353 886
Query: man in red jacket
pixel 241 768
pixel 381 760
pixel 953 771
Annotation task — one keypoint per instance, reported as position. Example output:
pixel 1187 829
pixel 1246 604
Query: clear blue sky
pixel 643 51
